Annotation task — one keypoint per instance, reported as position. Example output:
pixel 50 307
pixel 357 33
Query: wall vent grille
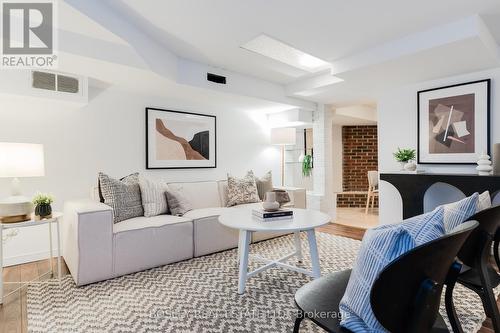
pixel 55 82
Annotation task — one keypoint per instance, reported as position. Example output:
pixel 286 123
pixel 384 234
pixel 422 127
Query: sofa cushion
pixel 211 236
pixel 170 240
pixel 154 200
pixel 199 194
pixel 124 196
pixel 242 190
pixel 205 212
pixel 148 222
pixel 249 206
pixel 223 192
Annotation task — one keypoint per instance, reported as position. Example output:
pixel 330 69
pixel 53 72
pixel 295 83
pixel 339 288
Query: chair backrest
pixel 406 295
pixel 476 248
pixel 373 178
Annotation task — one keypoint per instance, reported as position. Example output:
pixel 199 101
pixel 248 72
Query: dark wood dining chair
pixel 405 297
pixel 481 276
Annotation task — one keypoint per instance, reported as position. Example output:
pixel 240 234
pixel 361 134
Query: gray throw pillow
pixel 154 200
pixel 264 184
pixel 124 196
pixel 242 190
pixel 177 203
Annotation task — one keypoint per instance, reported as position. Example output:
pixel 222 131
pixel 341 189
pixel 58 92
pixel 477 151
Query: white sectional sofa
pixel 95 249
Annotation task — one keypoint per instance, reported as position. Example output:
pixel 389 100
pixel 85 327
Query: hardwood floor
pixel 13 316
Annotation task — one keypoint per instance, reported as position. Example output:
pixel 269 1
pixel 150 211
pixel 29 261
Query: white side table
pixel 303 220
pixel 55 219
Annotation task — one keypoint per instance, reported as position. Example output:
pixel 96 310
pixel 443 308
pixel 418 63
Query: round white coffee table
pixel 303 220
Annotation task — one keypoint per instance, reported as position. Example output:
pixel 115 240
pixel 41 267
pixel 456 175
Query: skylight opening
pixel 277 50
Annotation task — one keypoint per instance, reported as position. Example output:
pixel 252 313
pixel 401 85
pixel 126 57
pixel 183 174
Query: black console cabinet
pixel 412 187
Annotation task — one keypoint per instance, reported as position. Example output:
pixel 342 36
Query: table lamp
pixel 283 137
pixel 19 160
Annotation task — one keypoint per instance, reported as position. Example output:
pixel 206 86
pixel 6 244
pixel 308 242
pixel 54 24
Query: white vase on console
pixel 270 204
pixel 484 167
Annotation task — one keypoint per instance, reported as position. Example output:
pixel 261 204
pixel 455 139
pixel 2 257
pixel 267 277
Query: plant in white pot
pixel 406 158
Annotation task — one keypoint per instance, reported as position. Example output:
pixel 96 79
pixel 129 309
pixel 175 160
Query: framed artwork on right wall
pixel 453 123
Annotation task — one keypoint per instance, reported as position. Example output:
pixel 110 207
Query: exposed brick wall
pixel 360 155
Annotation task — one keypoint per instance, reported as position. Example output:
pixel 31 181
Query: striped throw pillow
pixel 458 212
pixel 381 246
pixel 154 199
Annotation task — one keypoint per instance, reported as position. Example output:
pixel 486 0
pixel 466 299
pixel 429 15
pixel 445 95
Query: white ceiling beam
pixel 112 15
pixel 119 19
pixel 195 74
pixel 470 27
pixel 319 81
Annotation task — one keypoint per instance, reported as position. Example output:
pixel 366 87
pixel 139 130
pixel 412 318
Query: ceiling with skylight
pixel 277 50
pixel 328 51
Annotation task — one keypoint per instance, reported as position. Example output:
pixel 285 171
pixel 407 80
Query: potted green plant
pixel 307 166
pixel 43 208
pixel 404 156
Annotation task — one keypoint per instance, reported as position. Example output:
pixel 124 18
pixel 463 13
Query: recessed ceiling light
pixel 277 50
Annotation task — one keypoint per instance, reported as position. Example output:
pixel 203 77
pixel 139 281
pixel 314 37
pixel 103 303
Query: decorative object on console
pixel 283 136
pixel 453 123
pixel 404 156
pixel 242 190
pixel 180 140
pixel 484 167
pixel 496 159
pixel 124 196
pixel 19 160
pixel 270 204
pixel 282 196
pixel 264 184
pixel 43 208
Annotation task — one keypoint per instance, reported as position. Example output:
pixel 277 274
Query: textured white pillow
pixel 153 196
pixel 242 190
pixel 484 201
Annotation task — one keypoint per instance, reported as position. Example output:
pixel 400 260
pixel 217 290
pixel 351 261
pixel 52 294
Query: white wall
pixel 109 135
pixel 397 116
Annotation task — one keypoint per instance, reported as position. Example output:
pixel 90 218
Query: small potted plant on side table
pixel 406 157
pixel 43 208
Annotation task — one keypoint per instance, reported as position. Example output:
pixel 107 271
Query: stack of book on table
pixel 281 214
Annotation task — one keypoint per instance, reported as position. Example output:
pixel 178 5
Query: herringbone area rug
pixel 199 295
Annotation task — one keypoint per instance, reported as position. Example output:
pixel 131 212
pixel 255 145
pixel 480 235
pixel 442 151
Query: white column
pixel 323 197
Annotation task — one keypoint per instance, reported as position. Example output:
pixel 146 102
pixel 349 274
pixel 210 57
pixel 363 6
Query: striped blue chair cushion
pixel 458 212
pixel 381 246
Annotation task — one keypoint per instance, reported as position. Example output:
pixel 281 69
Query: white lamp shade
pixel 283 136
pixel 21 160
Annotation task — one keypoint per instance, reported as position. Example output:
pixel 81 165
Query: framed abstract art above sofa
pixel 454 123
pixel 180 140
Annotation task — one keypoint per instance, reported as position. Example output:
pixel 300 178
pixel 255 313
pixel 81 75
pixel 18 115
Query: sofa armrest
pixel 88 240
pixel 297 196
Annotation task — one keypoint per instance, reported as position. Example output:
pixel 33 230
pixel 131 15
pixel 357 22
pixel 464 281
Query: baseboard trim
pixel 26 258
